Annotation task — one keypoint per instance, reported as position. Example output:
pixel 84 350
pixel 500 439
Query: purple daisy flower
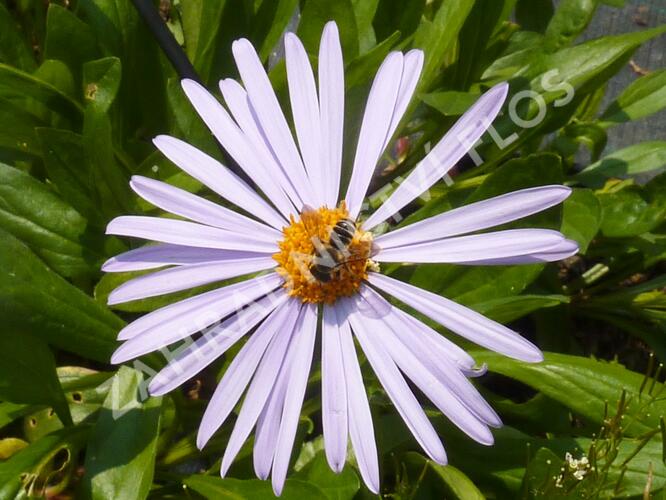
pixel 307 262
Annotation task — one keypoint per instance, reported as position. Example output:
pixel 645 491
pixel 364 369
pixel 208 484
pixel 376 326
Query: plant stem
pixel 165 39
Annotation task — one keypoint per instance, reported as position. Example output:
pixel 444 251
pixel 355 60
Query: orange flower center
pixel 324 255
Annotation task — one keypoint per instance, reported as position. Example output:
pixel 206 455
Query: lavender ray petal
pixel 246 116
pixel 165 254
pixel 298 379
pixel 305 110
pixel 176 321
pixel 361 429
pixel 234 141
pixel 241 369
pixel 268 423
pixel 333 392
pixel 332 109
pixel 476 216
pixel 441 367
pixel 374 129
pixel 261 387
pixel 460 319
pixel 395 386
pixel 473 248
pixel 563 250
pixel 184 277
pixel 218 178
pixel 180 202
pixel 180 232
pixel 450 149
pixel 271 118
pixel 440 345
pixel 434 389
pixel 202 352
pixel 413 64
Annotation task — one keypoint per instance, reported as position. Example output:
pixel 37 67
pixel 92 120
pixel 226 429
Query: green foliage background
pixel 83 89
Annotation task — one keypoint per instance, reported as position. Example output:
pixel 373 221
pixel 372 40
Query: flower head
pixel 307 251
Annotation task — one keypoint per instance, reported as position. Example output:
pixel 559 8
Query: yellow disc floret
pixel 307 244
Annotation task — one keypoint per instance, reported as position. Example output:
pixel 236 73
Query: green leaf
pixel 68 169
pixel 271 20
pixel 569 20
pixel 68 39
pixel 525 46
pixel 539 169
pixel 50 227
pixel 121 33
pixel 632 160
pixel 585 386
pixel 450 103
pixel 342 486
pixel 16 83
pixel 11 411
pixel 101 81
pixel 202 29
pixel 17 128
pixel 619 482
pixel 85 390
pixel 457 483
pixel 631 211
pixel 475 285
pixel 641 98
pixel 215 488
pixel 582 65
pixel 110 177
pixel 35 299
pixel 56 73
pixel 398 15
pixel 52 459
pixel 316 13
pixel 121 451
pixel 500 468
pixel 13 47
pixel 508 309
pixel 28 373
pixel 534 15
pixel 543 469
pixel 484 18
pixel 437 37
pixel 575 134
pixel 362 70
pixel 562 79
pixel 538 415
pixel 581 217
pixel 10 446
pixel 438 481
pixel 364 12
pixel 472 285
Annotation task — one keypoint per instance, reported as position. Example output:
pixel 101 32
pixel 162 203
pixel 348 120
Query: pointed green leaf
pixel 316 13
pixel 215 488
pixel 53 457
pixel 632 160
pixel 13 47
pixel 28 374
pixel 121 451
pixel 35 299
pixel 586 386
pixel 642 98
pixel 56 232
